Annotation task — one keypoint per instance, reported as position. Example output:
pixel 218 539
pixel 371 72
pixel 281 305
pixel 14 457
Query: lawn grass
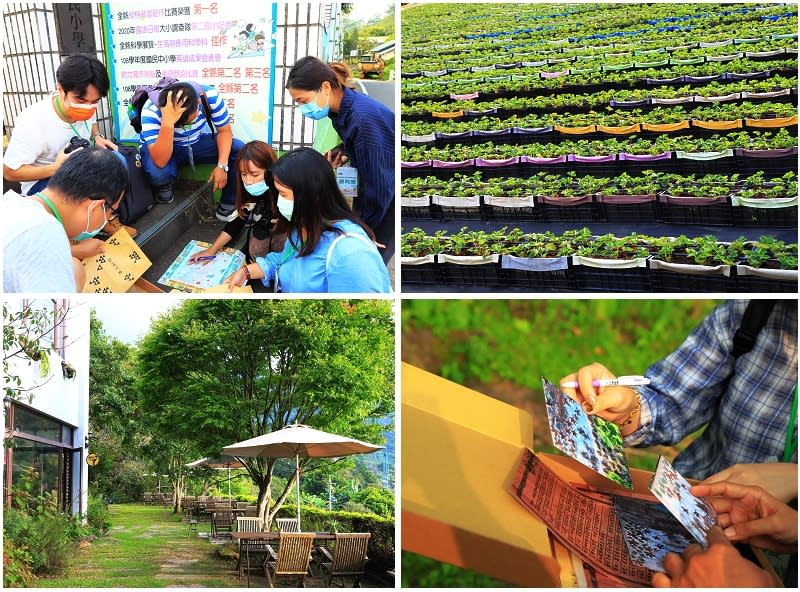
pixel 147 547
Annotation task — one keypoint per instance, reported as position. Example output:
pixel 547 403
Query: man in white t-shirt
pixel 37 229
pixel 43 131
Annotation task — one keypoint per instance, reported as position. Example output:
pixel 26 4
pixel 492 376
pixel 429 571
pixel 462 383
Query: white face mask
pixel 285 207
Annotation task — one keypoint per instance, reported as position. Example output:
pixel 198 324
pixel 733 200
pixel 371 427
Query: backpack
pixel 151 91
pixel 138 197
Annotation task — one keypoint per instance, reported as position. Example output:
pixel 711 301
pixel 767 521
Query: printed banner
pixel 214 43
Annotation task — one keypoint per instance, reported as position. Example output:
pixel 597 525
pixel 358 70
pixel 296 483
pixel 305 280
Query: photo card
pixel 695 513
pixel 591 440
pixel 650 531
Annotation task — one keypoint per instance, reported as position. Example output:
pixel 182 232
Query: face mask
pixel 91 233
pixel 79 111
pixel 314 111
pixel 256 189
pixel 285 207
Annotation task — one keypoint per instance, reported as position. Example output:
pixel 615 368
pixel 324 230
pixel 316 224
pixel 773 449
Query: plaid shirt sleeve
pixel 747 421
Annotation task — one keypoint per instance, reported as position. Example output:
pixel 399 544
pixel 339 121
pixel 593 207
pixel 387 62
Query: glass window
pixel 66 435
pixel 44 460
pixel 36 425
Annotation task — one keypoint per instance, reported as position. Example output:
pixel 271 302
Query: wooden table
pixel 246 538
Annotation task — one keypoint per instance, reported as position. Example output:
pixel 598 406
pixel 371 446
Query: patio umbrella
pixel 299 440
pixel 220 462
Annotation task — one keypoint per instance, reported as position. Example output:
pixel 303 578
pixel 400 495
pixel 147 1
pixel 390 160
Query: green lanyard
pixel 286 257
pixel 790 447
pixel 88 131
pixel 53 209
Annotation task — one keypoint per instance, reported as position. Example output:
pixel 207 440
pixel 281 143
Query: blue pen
pixel 206 258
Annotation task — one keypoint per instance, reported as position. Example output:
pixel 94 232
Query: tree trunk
pixel 263 505
pixel 178 501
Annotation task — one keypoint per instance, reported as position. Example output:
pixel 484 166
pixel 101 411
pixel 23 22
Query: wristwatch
pixel 223 166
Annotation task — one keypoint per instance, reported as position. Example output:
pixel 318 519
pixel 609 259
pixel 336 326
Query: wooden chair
pixel 292 559
pixel 221 521
pixel 252 552
pixel 248 524
pixel 192 523
pixel 349 557
pixel 287 524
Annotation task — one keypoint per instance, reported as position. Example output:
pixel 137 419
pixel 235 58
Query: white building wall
pixel 66 400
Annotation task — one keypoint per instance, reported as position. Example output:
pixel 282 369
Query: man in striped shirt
pixel 176 132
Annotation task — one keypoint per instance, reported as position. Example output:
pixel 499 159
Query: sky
pixel 364 11
pixel 127 316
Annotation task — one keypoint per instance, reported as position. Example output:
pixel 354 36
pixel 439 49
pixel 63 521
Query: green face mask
pixel 92 233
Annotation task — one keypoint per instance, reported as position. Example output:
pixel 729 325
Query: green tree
pixel 28 338
pixel 116 430
pixel 350 40
pixel 377 499
pixel 214 372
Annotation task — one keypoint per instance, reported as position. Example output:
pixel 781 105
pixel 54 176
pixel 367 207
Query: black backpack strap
pixel 753 320
pixel 207 113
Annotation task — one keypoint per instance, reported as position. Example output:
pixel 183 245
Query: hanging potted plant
pixel 418 256
pixel 766 204
pixel 470 258
pixel 629 199
pixel 612 264
pixel 538 262
pixel 768 265
pixel 694 265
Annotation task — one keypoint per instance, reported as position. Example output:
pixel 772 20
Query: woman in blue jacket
pixel 366 128
pixel 328 249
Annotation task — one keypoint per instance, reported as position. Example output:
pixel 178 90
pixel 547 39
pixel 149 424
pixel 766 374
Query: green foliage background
pixel 509 345
pixel 481 341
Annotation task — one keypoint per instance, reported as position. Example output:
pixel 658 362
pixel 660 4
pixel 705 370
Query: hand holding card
pixel 695 513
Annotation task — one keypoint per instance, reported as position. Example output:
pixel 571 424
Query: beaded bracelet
pixel 247 272
pixel 636 407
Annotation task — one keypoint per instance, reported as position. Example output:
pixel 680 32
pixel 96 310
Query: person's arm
pixel 220 242
pixel 100 140
pixel 224 142
pixel 719 566
pixel 161 149
pixel 34 172
pixel 87 248
pixel 263 269
pixel 352 269
pixel 376 180
pixel 684 386
pixel 748 513
pixel 778 478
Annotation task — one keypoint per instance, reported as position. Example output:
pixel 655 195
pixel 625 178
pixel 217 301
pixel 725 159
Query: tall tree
pixel 117 435
pixel 214 372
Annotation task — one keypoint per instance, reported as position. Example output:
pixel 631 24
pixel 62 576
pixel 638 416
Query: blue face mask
pixel 285 207
pixel 314 111
pixel 91 233
pixel 256 189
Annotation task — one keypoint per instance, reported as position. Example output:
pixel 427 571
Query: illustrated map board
pixel 198 277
